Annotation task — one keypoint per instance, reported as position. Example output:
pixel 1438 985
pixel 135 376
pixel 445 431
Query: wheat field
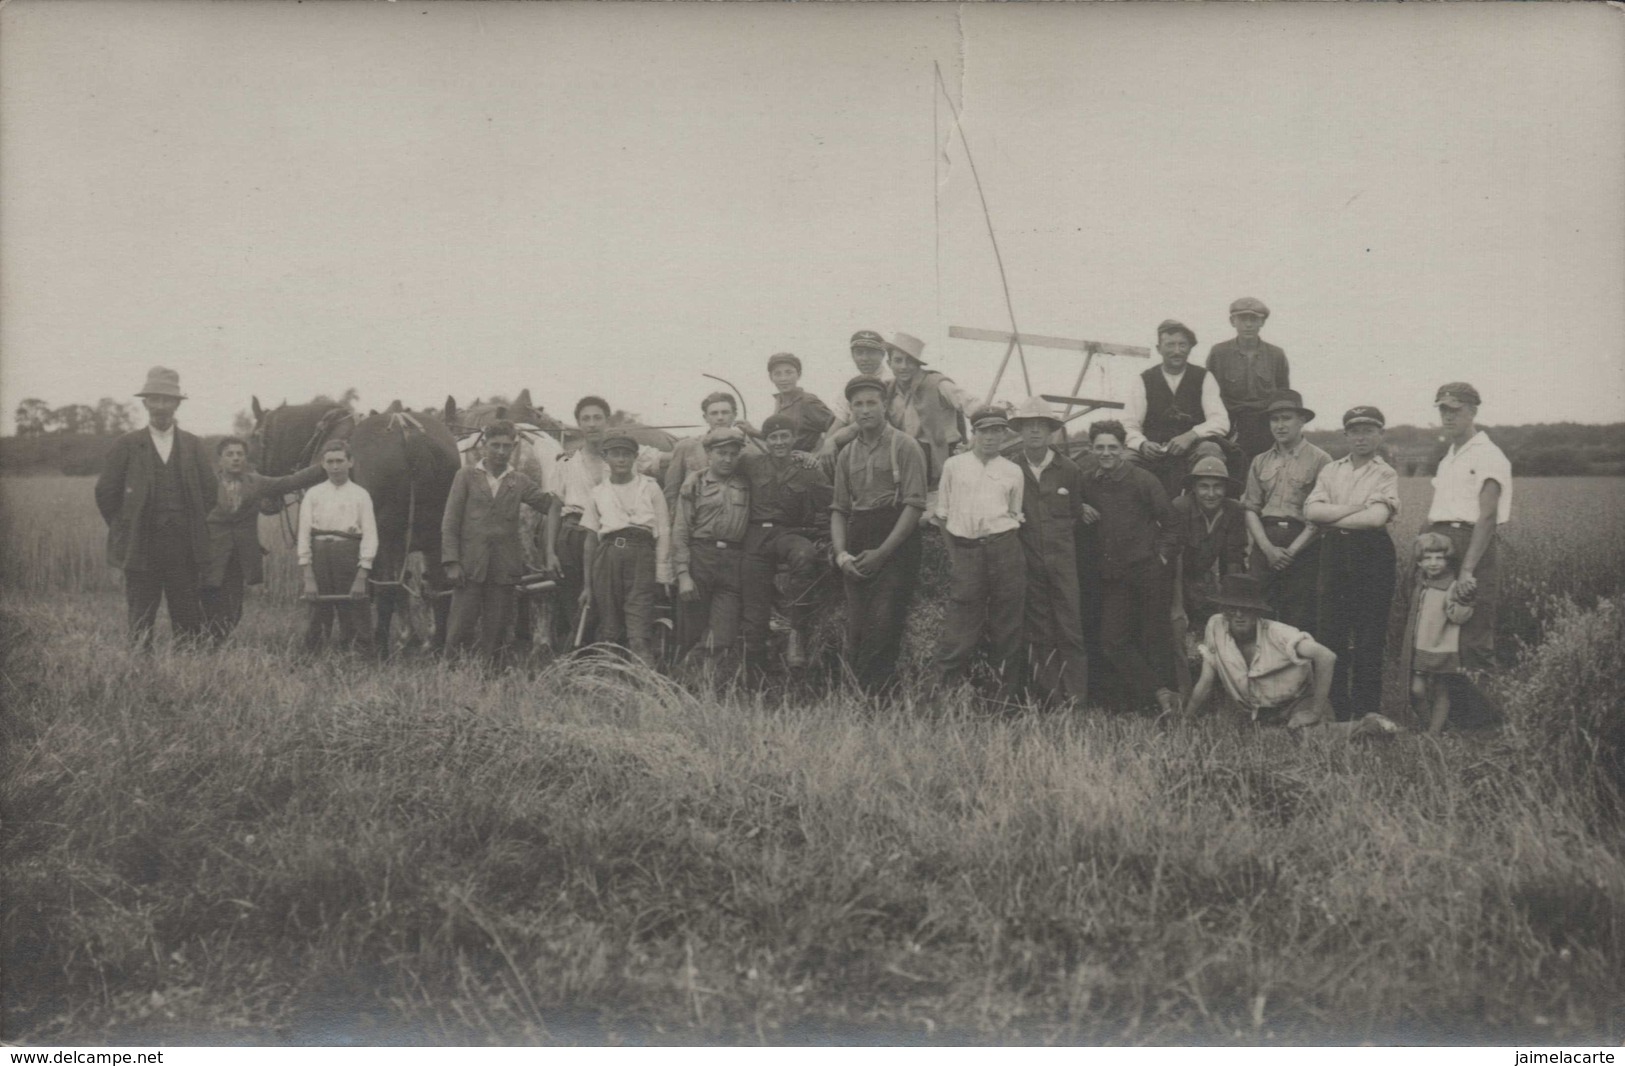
pixel 248 847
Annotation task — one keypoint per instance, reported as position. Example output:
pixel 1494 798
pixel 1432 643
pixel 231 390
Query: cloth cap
pixel 989 416
pixel 1288 400
pixel 1363 416
pixel 909 345
pixel 775 422
pixel 1456 394
pixel 618 440
pixel 162 381
pixel 1210 466
pixel 1240 590
pixel 722 435
pixel 1174 325
pixel 868 338
pixel 1035 408
pixel 783 357
pixel 864 381
pixel 1247 305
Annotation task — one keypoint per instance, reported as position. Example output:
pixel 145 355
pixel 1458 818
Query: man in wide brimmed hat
pixel 1286 545
pixel 1269 671
pixel 156 490
pixel 1052 508
pixel 1174 413
pixel 1249 370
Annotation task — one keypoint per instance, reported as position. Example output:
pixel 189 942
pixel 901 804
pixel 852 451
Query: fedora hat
pixel 1288 400
pixel 1035 408
pixel 162 381
pixel 1211 466
pixel 1241 590
pixel 909 345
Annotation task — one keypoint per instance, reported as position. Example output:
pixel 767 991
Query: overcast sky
pixel 419 199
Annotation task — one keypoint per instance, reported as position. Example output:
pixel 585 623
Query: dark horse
pixel 405 462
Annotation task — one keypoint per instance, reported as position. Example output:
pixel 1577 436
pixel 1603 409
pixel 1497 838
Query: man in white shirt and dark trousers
pixel 1472 500
pixel 1176 413
pixel 979 506
pixel 626 550
pixel 1352 503
pixel 338 540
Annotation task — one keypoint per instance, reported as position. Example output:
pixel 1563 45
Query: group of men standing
pixel 1204 495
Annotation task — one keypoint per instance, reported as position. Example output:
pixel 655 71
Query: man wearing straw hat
pixel 155 492
pixel 1052 508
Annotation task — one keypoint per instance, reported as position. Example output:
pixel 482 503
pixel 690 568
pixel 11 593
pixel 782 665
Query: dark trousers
pixel 171 577
pixel 566 610
pixel 482 617
pixel 1292 592
pixel 223 604
pixel 877 606
pixel 765 549
pixel 623 591
pixel 1356 590
pixel 719 576
pixel 1134 628
pixel 987 598
pixel 334 563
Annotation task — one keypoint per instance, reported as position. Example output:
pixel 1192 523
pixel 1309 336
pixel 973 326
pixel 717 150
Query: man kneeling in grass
pixel 1271 672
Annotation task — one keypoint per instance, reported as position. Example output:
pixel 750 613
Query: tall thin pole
pixel 987 216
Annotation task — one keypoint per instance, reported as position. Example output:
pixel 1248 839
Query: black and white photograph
pixel 828 524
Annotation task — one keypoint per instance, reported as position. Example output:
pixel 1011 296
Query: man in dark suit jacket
pixel 480 546
pixel 234 533
pixel 1250 370
pixel 155 489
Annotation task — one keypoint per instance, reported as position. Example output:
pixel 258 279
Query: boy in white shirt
pixel 979 507
pixel 626 550
pixel 338 540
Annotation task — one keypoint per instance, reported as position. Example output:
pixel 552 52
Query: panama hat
pixel 1036 409
pixel 162 381
pixel 909 345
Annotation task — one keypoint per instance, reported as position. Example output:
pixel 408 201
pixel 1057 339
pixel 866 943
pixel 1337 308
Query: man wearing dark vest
pixel 1176 412
pixel 1250 371
pixel 155 492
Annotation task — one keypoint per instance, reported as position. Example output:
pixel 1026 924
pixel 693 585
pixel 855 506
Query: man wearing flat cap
pixel 1175 412
pixel 805 411
pixel 880 495
pixel 789 520
pixel 869 357
pixel 1472 500
pixel 1354 500
pixel 1250 370
pixel 979 508
pixel 708 548
pixel 155 492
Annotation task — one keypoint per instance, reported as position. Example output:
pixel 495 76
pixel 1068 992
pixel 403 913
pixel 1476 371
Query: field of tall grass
pixel 244 847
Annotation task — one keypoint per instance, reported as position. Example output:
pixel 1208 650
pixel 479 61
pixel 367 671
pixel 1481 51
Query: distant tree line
pixel 36 418
pixel 1548 449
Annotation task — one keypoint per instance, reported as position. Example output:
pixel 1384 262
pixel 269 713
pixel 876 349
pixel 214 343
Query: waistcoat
pixel 1169 413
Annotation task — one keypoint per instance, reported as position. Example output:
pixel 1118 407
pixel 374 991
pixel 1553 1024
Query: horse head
pixel 285 438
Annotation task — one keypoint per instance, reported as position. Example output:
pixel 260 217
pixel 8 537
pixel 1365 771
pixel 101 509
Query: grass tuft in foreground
pixel 231 847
